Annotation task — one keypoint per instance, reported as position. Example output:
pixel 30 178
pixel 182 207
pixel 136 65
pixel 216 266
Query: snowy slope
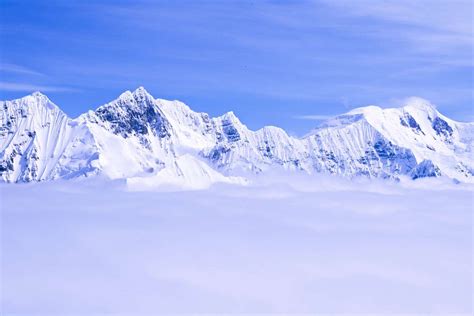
pixel 155 142
pixel 392 142
pixel 33 135
pixel 131 138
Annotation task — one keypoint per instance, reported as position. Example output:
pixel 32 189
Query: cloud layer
pixel 298 246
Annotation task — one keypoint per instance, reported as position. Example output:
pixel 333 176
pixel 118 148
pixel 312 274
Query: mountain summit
pixel 150 141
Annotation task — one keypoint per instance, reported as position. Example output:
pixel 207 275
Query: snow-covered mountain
pixel 151 142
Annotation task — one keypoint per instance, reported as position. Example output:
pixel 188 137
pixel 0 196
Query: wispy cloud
pixel 25 87
pixel 12 68
pixel 429 25
pixel 432 14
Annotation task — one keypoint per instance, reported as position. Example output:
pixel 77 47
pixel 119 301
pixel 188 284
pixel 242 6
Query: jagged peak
pixel 39 97
pixel 126 96
pixel 230 116
pixel 409 103
pixel 140 90
pixel 36 99
pixel 141 93
pixel 374 112
pixel 418 104
pixel 124 99
pixel 131 98
pixel 38 94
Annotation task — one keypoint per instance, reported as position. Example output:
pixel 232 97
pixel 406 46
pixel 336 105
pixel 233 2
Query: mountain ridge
pixel 157 141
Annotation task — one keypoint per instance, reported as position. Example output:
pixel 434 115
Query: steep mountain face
pixel 427 134
pixel 151 142
pixel 392 142
pixel 126 137
pixel 33 135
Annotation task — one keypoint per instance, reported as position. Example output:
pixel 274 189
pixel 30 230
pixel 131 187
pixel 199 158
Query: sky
pixel 284 63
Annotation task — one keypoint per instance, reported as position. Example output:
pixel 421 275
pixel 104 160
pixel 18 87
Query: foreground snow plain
pixel 299 245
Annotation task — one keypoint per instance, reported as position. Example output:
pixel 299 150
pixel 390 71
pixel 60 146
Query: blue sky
pixel 284 63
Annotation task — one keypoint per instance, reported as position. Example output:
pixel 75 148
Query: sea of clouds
pixel 287 245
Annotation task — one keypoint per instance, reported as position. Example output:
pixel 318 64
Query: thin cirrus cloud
pixel 427 25
pixel 25 87
pixel 17 69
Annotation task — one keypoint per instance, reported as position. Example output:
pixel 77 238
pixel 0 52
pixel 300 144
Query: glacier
pixel 150 142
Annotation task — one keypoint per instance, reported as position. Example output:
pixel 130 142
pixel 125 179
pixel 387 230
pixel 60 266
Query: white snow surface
pixel 155 142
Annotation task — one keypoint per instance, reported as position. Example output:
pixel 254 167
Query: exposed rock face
pixel 134 114
pixel 426 168
pixel 137 136
pixel 442 128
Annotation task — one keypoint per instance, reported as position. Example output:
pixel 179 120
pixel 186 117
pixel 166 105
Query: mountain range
pixel 151 142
